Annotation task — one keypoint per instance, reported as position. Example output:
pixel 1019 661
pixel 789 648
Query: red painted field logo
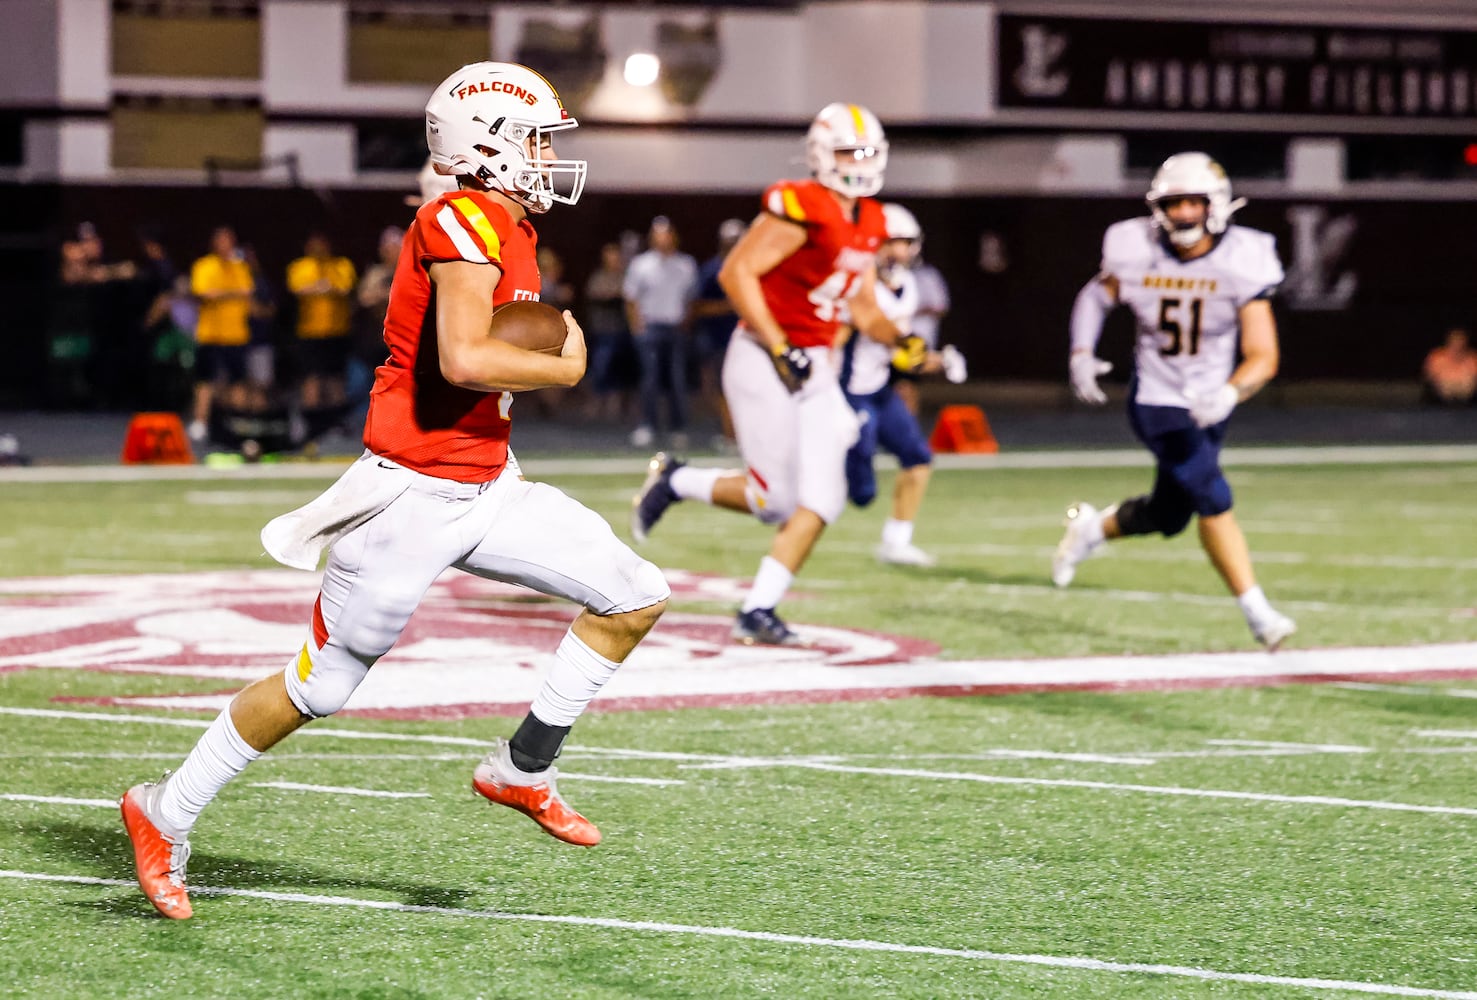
pixel 478 648
pixel 473 647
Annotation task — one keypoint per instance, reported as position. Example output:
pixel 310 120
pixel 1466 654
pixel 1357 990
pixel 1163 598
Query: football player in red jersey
pixel 806 265
pixel 436 488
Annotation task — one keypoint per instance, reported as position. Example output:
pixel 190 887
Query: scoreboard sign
pixel 1301 71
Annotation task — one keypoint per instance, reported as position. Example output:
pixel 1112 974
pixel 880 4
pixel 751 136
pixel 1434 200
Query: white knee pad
pixel 651 583
pixel 769 506
pixel 319 681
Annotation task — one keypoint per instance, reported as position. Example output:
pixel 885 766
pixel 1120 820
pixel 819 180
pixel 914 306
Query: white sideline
pixel 768 937
pixel 635 465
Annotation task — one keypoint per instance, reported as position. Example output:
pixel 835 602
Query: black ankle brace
pixel 535 745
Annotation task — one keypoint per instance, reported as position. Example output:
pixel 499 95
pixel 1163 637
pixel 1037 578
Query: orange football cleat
pixel 159 857
pixel 499 781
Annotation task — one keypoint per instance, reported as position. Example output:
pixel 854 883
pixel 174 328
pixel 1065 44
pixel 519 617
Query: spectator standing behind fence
pixel 605 332
pixel 1449 376
pixel 713 319
pixel 368 351
pixel 322 284
pixel 261 353
pixel 659 288
pixel 221 280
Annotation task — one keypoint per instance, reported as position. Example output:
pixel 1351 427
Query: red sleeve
pixel 463 226
pixel 789 201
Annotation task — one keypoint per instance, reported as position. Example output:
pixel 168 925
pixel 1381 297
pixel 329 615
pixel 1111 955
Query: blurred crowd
pixel 218 337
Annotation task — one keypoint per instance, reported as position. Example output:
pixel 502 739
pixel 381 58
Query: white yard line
pixel 293 786
pixel 1150 554
pixel 800 940
pixel 1428 692
pixel 59 800
pixel 829 764
pixel 1107 786
pixel 1180 597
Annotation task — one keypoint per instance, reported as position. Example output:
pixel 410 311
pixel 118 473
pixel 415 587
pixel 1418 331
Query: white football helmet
pixel 490 120
pixel 1190 175
pixel 846 150
pixel 901 225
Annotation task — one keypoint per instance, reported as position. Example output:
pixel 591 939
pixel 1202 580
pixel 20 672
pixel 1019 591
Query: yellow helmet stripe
pixel 469 211
pixel 858 121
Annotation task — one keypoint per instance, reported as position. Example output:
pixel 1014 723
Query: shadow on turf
pixel 104 853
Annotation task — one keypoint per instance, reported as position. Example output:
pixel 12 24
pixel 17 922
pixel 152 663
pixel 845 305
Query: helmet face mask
pixel 495 122
pixel 1192 175
pixel 846 150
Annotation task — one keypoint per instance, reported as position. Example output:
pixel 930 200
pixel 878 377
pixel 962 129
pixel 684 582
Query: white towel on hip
pixel 299 537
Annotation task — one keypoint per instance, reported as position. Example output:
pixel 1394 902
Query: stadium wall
pixel 1369 289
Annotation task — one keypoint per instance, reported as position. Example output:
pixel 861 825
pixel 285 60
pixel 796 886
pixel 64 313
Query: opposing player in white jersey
pixel 1197 285
pixel 869 377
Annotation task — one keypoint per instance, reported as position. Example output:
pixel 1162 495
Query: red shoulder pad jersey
pixel 416 417
pixel 808 290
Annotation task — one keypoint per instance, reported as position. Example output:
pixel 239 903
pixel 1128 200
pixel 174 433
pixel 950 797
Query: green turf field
pixel 1295 841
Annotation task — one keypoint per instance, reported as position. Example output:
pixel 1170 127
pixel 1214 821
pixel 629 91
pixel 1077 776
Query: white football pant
pixel 509 530
pixel 793 444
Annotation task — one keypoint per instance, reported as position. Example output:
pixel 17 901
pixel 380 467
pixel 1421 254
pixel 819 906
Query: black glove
pixel 909 353
pixel 791 364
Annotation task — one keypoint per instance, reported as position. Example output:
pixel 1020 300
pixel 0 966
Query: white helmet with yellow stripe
pixel 493 120
pixel 846 150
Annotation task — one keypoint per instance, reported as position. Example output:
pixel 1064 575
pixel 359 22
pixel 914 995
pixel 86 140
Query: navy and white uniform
pixel 1187 318
pixel 866 378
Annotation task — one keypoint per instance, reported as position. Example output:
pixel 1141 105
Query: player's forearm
pixel 1254 372
pixel 493 366
pixel 873 322
pixel 747 297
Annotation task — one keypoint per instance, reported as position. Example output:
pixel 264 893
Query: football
pixel 532 326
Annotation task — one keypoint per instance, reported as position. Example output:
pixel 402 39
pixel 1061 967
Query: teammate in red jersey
pixel 436 487
pixel 806 265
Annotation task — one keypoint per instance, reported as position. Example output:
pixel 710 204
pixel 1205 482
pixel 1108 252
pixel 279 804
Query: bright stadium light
pixel 642 69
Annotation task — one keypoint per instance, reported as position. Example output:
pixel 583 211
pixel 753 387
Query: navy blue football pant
pixel 1187 476
pixel 887 422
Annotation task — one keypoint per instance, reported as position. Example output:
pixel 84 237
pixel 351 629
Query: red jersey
pixel 808 290
pixel 416 417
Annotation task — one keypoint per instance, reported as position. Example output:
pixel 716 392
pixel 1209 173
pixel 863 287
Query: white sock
pixel 769 586
pixel 696 484
pixel 1092 530
pixel 221 754
pixel 896 534
pixel 576 676
pixel 1254 604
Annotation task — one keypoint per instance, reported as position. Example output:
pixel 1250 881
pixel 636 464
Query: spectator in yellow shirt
pixel 222 281
pixel 323 284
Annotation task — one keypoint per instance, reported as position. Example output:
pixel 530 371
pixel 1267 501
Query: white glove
pixel 1085 369
pixel 1213 407
pixel 955 370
